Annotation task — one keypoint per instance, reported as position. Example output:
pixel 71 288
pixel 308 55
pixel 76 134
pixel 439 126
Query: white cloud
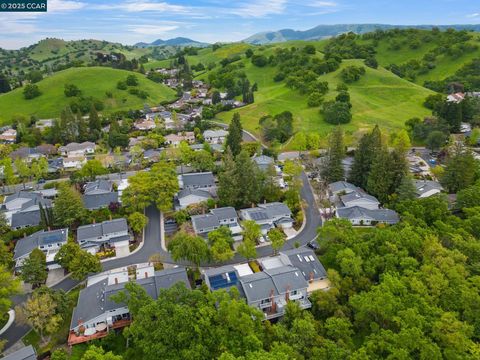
pixel 153 29
pixel 259 8
pixel 474 15
pixel 321 4
pixel 64 5
pixel 145 5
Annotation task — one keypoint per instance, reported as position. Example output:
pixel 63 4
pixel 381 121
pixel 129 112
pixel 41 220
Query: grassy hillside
pixel 379 97
pixel 92 81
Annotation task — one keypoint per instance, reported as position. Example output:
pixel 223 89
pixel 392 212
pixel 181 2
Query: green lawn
pixel 92 81
pixel 379 97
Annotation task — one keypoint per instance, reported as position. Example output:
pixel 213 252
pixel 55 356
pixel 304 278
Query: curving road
pixel 152 245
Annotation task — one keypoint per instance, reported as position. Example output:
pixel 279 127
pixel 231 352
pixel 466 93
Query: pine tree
pixel 379 182
pixel 406 190
pixel 248 180
pixel 94 123
pixel 333 169
pixel 227 185
pixel 365 154
pixel 82 129
pixel 235 133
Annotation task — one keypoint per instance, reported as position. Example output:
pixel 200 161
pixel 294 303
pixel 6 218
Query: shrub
pixel 31 91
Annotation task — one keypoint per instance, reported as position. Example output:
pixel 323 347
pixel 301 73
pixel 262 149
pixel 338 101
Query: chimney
pixel 146 274
pixel 24 235
pixel 48 228
pixel 311 277
pixel 274 304
pixel 203 211
pixel 110 217
pixel 265 201
pixel 216 205
pixel 253 205
pixel 116 281
pixel 287 294
pixel 94 220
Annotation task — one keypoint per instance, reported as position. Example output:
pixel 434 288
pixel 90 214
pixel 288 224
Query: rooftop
pixel 96 230
pixel 198 179
pixel 24 246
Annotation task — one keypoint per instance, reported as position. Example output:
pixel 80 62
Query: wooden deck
pixel 74 339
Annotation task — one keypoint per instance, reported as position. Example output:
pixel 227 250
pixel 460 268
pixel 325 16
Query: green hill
pixel 379 97
pixel 92 81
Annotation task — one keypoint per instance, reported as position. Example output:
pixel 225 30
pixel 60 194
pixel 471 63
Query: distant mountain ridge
pixel 325 31
pixel 178 41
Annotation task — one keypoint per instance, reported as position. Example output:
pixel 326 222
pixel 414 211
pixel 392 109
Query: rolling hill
pixel 324 31
pixel 379 97
pixel 92 81
pixel 178 41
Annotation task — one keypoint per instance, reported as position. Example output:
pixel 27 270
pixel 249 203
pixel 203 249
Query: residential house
pixel 367 217
pixel 135 141
pixel 47 149
pixel 108 234
pixel 427 188
pixel 97 313
pixel 151 155
pixel 215 136
pixel 456 97
pixel 98 194
pixel 341 188
pixel 358 198
pixel 225 216
pixel 55 165
pixel 267 290
pixel 145 125
pixel 269 215
pixel 25 153
pixel 75 149
pixel 305 260
pixel 22 209
pixel 175 139
pixel 190 196
pixel 198 181
pixel 25 353
pixel 74 162
pixel 9 136
pixel 47 241
pixel 263 162
pixel 270 290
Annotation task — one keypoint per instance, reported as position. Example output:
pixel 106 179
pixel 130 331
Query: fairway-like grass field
pixel 92 81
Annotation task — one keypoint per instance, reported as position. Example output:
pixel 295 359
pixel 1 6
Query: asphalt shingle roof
pixel 25 245
pixel 198 179
pixel 301 258
pixel 25 353
pixel 96 230
pixel 357 212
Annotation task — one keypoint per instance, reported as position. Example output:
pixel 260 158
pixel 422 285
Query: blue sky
pixel 130 21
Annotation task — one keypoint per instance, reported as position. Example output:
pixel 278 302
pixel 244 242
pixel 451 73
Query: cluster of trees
pixel 465 79
pixel 78 262
pixel 31 91
pixel 405 291
pixel 345 46
pixel 461 170
pixel 352 73
pixel 242 183
pixel 233 79
pixel 377 169
pixel 155 187
pixel 337 112
pixel 277 128
pixel 130 84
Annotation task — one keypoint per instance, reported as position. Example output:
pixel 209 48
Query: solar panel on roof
pixel 223 280
pixel 258 215
pixel 52 238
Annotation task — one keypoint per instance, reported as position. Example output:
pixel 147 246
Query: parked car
pixel 313 245
pixel 41 181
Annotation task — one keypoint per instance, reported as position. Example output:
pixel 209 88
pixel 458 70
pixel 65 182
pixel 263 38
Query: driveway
pixel 152 245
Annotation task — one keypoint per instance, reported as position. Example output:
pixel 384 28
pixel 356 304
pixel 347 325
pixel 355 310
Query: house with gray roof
pixel 427 188
pixel 189 196
pixel 198 181
pixel 74 149
pixel 97 313
pixel 263 162
pixel 270 290
pixel 110 233
pixel 306 261
pixel 358 198
pixel 226 216
pixel 25 353
pixel 368 217
pixel 215 136
pixel 99 194
pixel 269 215
pixel 22 209
pixel 341 188
pixel 47 241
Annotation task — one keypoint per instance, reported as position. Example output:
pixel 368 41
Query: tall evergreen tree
pixel 227 185
pixel 365 154
pixel 82 129
pixel 94 123
pixel 406 190
pixel 461 171
pixel 4 84
pixel 234 137
pixel 333 168
pixel 248 180
pixel 379 182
